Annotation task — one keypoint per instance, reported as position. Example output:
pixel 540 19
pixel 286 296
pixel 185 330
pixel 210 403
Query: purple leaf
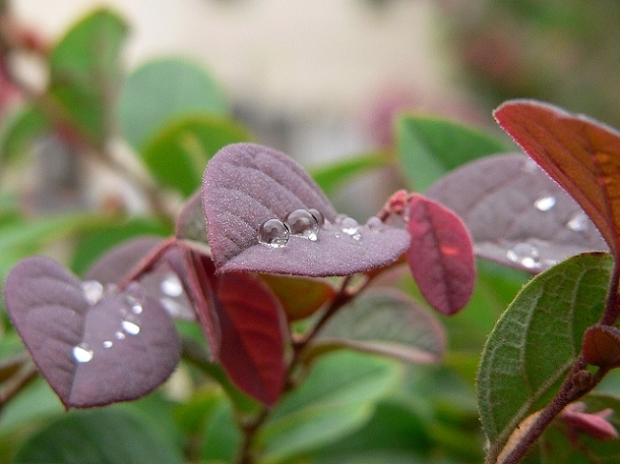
pixel 516 214
pixel 161 283
pixel 191 223
pixel 246 185
pixel 93 346
pixel 441 255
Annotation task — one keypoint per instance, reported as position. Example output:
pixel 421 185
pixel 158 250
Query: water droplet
pixel 107 344
pixel 119 335
pixel 171 285
pixel 273 233
pixel 529 165
pixel 130 327
pixel 525 254
pixel 374 223
pixel 134 304
pixel 82 353
pixel 545 203
pixel 302 222
pixel 320 219
pixel 348 225
pixel 578 223
pixel 93 291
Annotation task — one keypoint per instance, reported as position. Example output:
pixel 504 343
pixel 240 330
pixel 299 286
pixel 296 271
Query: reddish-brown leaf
pixel 580 154
pixel 441 256
pixel 252 324
pixel 299 297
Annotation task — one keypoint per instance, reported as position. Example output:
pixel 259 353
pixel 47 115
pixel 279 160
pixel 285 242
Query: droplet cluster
pixel 303 223
pixel 94 292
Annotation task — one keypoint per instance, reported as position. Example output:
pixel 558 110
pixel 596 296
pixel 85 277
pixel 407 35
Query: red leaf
pixel 252 347
pixel 601 346
pixel 441 256
pixel 580 154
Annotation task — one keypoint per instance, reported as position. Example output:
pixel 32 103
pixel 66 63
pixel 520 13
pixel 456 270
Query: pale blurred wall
pixel 290 56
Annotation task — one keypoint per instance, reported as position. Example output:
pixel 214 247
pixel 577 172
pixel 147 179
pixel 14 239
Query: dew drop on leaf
pixel 529 165
pixel 318 216
pixel 525 254
pixel 303 222
pixel 93 291
pixel 107 344
pixel 273 233
pixel 171 285
pixel 374 223
pixel 82 353
pixel 134 304
pixel 119 335
pixel 578 223
pixel 130 327
pixel 545 203
pixel 348 225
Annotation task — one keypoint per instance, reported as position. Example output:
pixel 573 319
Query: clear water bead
pixel 273 233
pixel 82 353
pixel 320 219
pixel 134 304
pixel 374 223
pixel 93 291
pixel 171 285
pixel 348 225
pixel 525 254
pixel 545 203
pixel 130 327
pixel 119 335
pixel 107 344
pixel 578 223
pixel 302 222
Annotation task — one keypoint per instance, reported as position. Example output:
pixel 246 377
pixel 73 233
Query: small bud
pixel 592 424
pixel 601 346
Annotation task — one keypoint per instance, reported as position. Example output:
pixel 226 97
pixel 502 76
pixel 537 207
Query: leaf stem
pixel 612 306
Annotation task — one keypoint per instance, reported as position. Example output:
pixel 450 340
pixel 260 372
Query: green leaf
pixel 331 177
pixel 337 397
pixel 221 436
pixel 21 133
pixel 178 154
pixel 85 72
pixel 385 322
pixel 428 148
pixel 163 90
pixel 537 340
pixel 93 245
pixel 112 436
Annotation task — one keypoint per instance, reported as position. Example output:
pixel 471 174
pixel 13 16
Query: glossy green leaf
pixel 221 436
pixel 428 147
pixel 21 133
pixel 85 72
pixel 178 154
pixel 537 340
pixel 163 90
pixel 332 176
pixel 335 399
pixel 385 322
pixel 111 436
pixel 556 445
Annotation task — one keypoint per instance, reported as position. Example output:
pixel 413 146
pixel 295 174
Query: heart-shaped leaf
pixel 441 255
pixel 580 154
pixel 93 347
pixel 517 215
pixel 246 185
pixel 384 322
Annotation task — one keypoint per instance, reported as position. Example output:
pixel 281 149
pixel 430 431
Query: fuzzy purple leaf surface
pixel 93 346
pixel 245 185
pixel 516 214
